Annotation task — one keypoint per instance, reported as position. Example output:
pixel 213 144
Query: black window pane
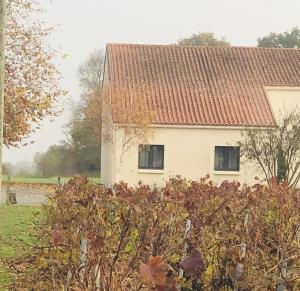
pixel 234 159
pixel 143 157
pixel 157 158
pixel 227 158
pixel 218 158
pixel 151 157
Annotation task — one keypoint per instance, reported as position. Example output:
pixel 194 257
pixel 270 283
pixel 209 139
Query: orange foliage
pixel 154 272
pixel 32 79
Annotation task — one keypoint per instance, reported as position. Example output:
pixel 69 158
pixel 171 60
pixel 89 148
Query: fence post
pixel 283 272
pixel 59 182
pixel 243 246
pixel 69 277
pixel 186 235
pixel 83 251
pixel 98 277
pixel 7 190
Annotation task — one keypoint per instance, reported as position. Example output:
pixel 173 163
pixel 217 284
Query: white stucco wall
pixel 107 163
pixel 189 152
pixel 108 143
pixel 283 100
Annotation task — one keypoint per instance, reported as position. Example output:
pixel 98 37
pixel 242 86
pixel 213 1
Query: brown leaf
pixel 193 263
pixel 170 285
pixel 154 272
pixel 57 237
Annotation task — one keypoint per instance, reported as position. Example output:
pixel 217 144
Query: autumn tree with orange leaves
pixel 90 75
pixel 126 109
pixel 32 80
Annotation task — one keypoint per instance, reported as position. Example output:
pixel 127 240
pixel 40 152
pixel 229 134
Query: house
pixel 202 99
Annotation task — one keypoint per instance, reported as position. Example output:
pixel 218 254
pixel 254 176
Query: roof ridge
pixel 200 46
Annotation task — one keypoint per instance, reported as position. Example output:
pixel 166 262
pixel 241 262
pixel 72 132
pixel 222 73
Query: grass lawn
pixel 15 224
pixel 41 180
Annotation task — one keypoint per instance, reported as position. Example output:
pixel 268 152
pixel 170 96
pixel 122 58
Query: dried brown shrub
pixel 240 237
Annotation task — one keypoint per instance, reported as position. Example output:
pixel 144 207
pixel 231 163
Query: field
pixel 15 224
pixel 41 180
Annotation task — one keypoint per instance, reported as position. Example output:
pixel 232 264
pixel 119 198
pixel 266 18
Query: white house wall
pixel 108 152
pixel 283 100
pixel 107 140
pixel 107 163
pixel 189 152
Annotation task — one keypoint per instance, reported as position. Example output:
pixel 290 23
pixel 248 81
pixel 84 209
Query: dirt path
pixel 28 195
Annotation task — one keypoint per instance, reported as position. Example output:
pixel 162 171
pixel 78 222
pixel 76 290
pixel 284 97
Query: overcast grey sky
pixel 90 24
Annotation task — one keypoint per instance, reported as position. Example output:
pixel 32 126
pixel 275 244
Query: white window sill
pixel 231 173
pixel 150 171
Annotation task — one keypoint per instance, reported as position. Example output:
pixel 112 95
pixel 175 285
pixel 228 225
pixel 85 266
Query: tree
pixel 90 76
pixel 84 128
pixel 203 38
pixel 287 39
pixel 80 152
pixel 32 79
pixel 7 169
pixel 58 160
pixel 275 150
pixel 90 72
pixel 84 141
pixel 2 75
pixel 127 108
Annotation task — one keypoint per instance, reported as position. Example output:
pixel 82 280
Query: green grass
pixel 15 224
pixel 41 180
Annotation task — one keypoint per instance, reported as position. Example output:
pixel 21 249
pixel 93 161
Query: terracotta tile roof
pixel 204 85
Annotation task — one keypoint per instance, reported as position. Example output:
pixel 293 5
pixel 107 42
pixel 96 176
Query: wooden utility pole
pixel 2 67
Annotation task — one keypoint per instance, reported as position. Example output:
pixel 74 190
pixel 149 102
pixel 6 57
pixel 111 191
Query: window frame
pixel 228 169
pixel 152 168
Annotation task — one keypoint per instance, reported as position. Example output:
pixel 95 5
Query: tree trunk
pixel 2 67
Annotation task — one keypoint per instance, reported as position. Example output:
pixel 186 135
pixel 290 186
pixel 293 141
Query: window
pixel 227 158
pixel 151 157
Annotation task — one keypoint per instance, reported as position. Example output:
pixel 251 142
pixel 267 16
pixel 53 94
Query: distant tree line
pixel 21 168
pixel 80 152
pixel 203 38
pixel 287 39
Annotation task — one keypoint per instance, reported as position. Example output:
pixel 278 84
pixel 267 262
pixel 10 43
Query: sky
pixel 83 26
